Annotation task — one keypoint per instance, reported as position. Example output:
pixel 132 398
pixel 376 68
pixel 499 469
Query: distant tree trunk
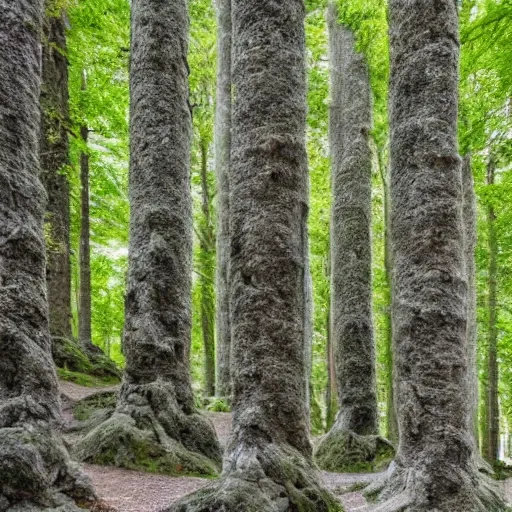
pixel 331 397
pixel 268 464
pixel 54 158
pixel 391 423
pixel 435 467
pixel 35 470
pixel 352 440
pixel 222 168
pixel 155 423
pixel 84 295
pixel 469 214
pixel 207 276
pixel 491 441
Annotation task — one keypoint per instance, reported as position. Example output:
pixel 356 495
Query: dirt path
pixel 133 491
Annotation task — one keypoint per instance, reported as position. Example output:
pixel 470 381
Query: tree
pixel 155 423
pixel 54 160
pixel 353 440
pixel 268 464
pixel 469 214
pixel 84 294
pixel 207 273
pixel 35 470
pixel 492 412
pixel 435 467
pixel 222 168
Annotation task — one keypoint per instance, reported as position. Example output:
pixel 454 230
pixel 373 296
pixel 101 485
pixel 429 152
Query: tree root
pixel 36 473
pixel 416 490
pixel 150 431
pixel 267 478
pixel 342 451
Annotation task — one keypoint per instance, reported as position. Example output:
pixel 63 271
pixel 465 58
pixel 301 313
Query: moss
pixel 86 408
pixel 346 452
pixel 502 471
pixel 118 442
pixel 86 380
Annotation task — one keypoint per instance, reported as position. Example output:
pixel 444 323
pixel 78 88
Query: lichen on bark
pixel 36 472
pixel 352 443
pixel 155 425
pixel 436 467
pixel 268 464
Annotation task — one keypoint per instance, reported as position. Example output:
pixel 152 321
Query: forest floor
pixel 134 491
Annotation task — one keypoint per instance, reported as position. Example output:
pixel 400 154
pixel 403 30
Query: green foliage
pixel 84 379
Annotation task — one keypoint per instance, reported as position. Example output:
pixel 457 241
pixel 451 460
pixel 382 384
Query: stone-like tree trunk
pixel 207 275
pixel 35 470
pixel 267 466
pixel 469 213
pixel 155 424
pixel 435 467
pixel 54 158
pixel 352 443
pixel 491 439
pixel 222 168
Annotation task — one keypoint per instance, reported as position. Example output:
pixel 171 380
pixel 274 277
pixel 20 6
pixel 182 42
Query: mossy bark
pixel 35 469
pixel 155 425
pixel 267 466
pixel 352 441
pixel 436 467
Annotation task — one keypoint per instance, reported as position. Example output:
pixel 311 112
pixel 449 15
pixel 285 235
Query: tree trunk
pixel 352 441
pixel 155 424
pixel 84 295
pixel 469 213
pixel 391 422
pixel 267 466
pixel 35 470
pixel 491 441
pixel 435 467
pixel 222 168
pixel 54 158
pixel 207 276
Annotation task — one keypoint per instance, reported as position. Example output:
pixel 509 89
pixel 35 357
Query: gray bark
pixel 222 167
pixel 54 158
pixel 470 239
pixel 267 466
pixel 155 423
pixel 353 340
pixel 35 469
pixel 435 466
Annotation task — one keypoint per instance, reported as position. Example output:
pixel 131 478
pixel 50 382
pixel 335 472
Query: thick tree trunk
pixel 352 441
pixel 222 168
pixel 155 424
pixel 267 466
pixel 435 467
pixel 35 470
pixel 469 213
pixel 207 276
pixel 54 158
pixel 491 440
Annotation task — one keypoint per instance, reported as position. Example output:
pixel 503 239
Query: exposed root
pixel 266 478
pixel 36 473
pixel 418 490
pixel 342 451
pixel 150 431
